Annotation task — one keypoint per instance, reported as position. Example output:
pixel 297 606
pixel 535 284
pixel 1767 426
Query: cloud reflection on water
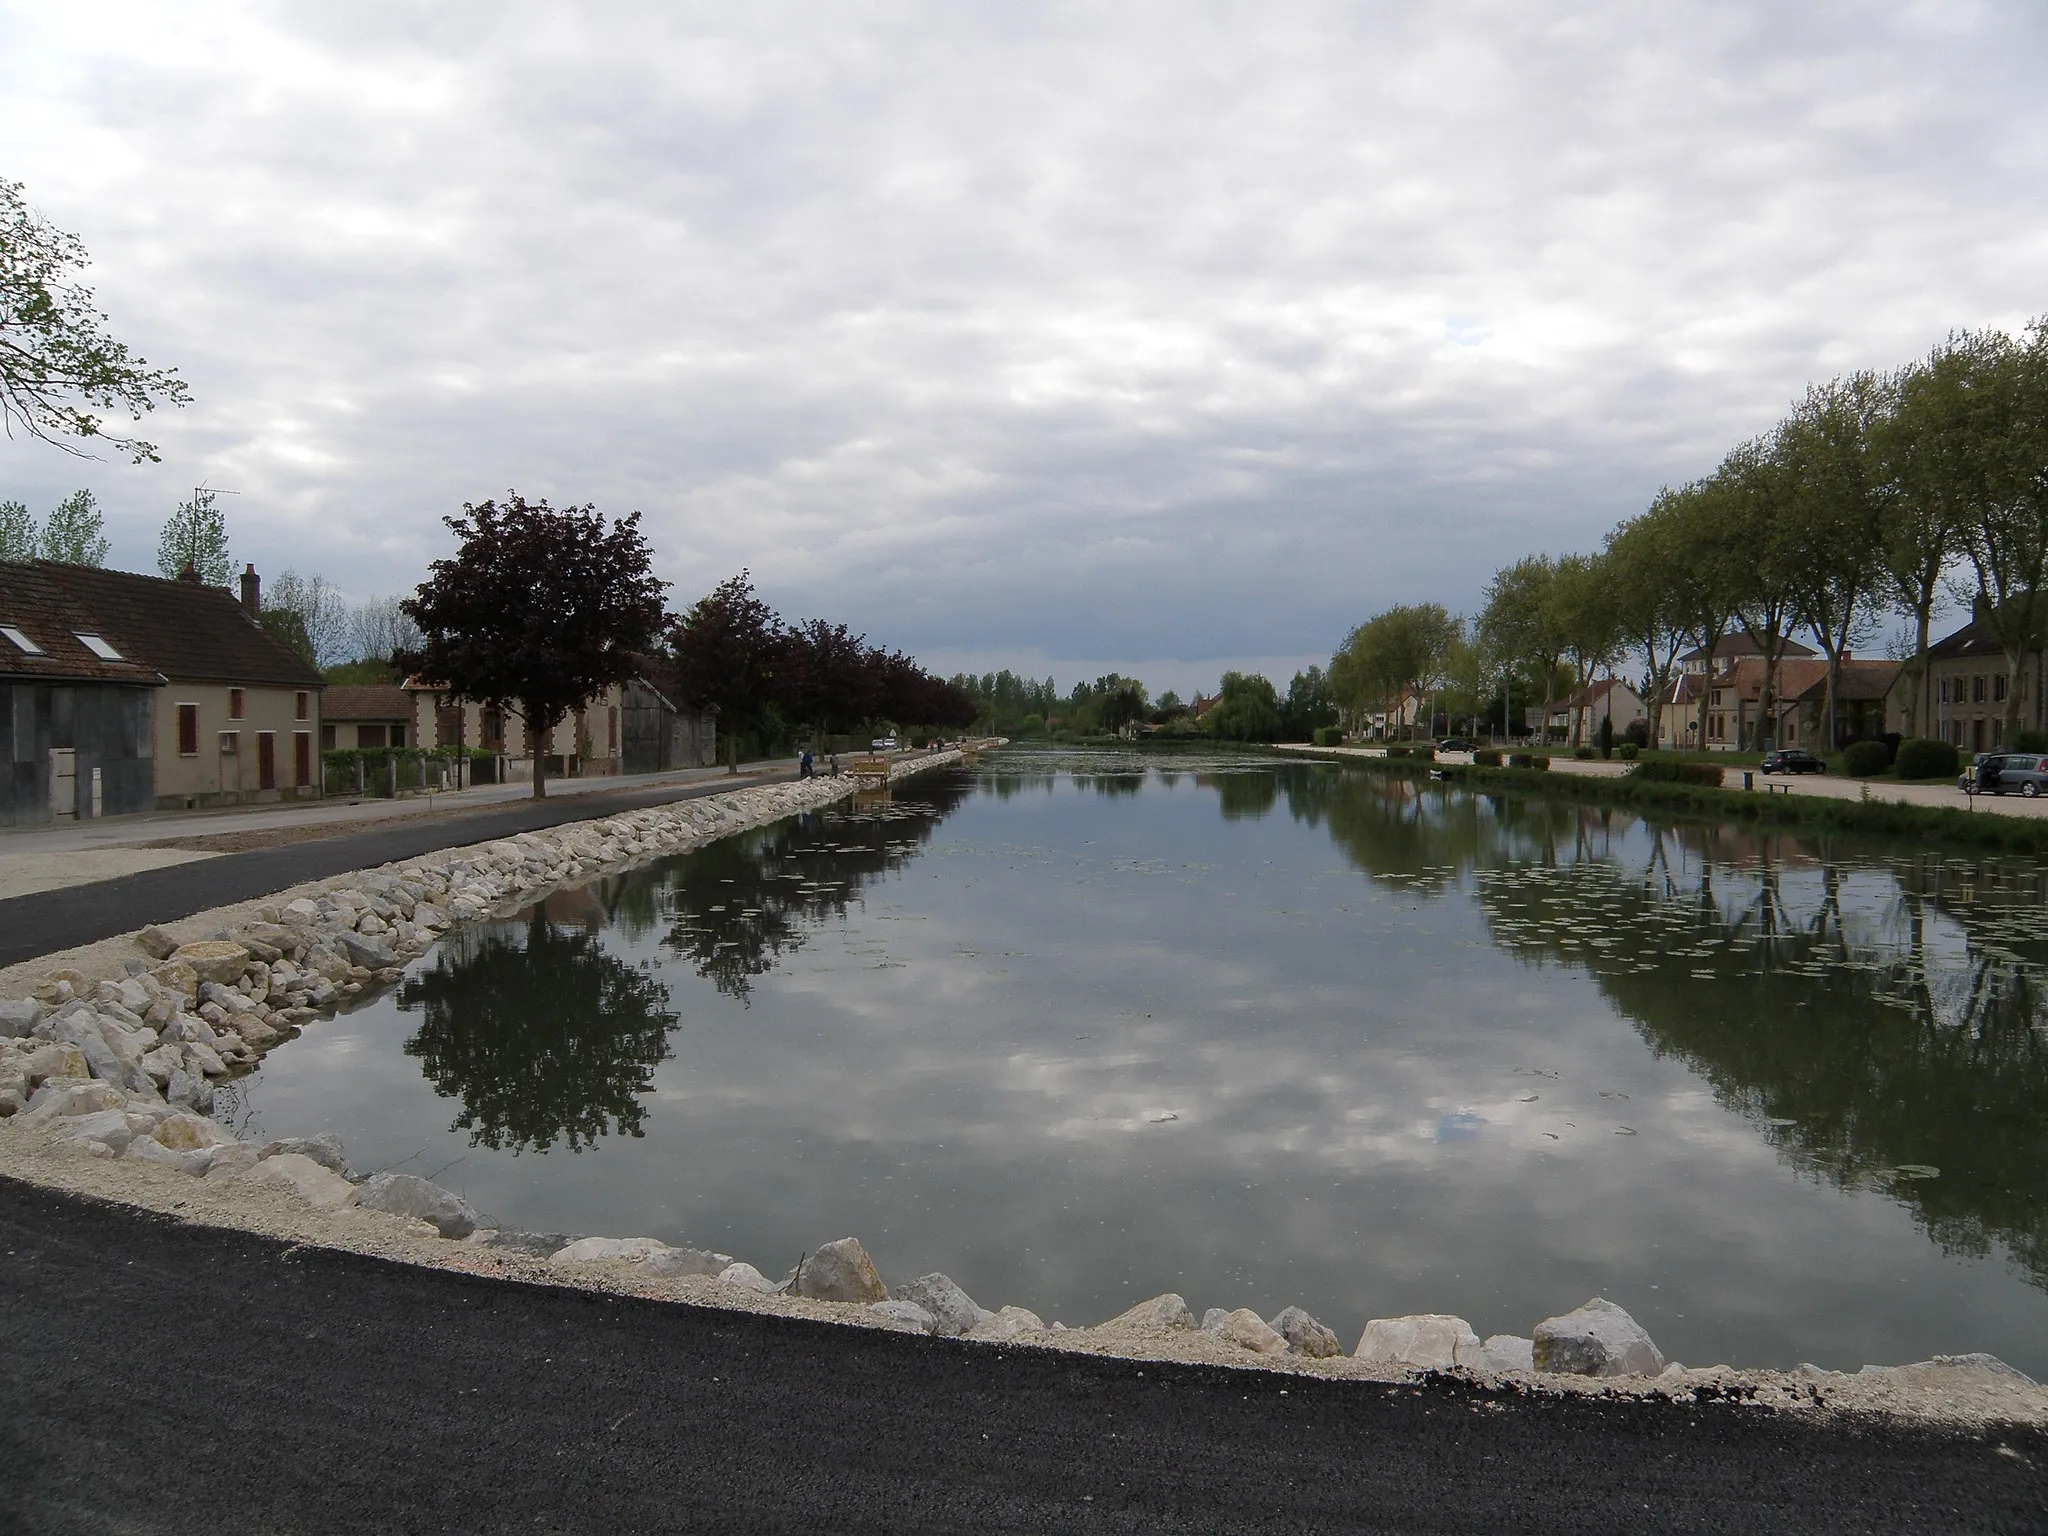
pixel 950 1040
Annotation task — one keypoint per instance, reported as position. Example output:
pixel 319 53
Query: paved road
pixel 163 1378
pixel 80 914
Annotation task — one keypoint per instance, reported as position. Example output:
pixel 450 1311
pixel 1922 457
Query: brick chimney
pixel 252 594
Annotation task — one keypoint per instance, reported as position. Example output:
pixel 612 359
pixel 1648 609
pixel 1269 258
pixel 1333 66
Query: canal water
pixel 1080 1028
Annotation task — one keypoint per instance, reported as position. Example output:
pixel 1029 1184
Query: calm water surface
pixel 1079 1029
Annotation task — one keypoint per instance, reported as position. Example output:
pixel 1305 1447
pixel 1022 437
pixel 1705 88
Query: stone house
pixel 366 715
pixel 1967 684
pixel 234 712
pixel 75 714
pixel 625 728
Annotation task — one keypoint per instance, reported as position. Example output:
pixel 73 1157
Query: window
pixel 237 702
pixel 1998 688
pixel 188 730
pixel 1944 690
pixel 98 646
pixel 230 743
pixel 21 642
pixel 368 735
pixel 1977 689
pixel 302 705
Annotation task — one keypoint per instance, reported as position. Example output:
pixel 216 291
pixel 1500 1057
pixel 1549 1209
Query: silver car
pixel 2005 773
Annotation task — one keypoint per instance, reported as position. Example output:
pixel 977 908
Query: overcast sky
pixel 1162 337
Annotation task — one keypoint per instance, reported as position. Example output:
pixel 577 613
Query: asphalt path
pixel 80 914
pixel 162 1377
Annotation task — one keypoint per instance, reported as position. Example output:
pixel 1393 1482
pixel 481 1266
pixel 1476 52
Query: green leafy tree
pixel 1582 612
pixel 1761 483
pixel 1992 407
pixel 59 367
pixel 1248 709
pixel 537 610
pixel 196 535
pixel 1920 521
pixel 1707 574
pixel 75 532
pixel 1310 704
pixel 1834 524
pixel 19 540
pixel 1644 558
pixel 1519 625
pixel 723 656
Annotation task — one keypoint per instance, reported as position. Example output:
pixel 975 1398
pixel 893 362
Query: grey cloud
pixel 1144 334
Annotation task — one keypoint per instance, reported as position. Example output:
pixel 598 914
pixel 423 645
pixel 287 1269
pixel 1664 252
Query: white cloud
pixel 1058 333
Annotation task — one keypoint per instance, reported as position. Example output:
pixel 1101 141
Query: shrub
pixel 2030 741
pixel 1484 758
pixel 1528 760
pixel 1637 733
pixel 1658 772
pixel 1328 736
pixel 1627 751
pixel 1921 758
pixel 1427 754
pixel 1397 751
pixel 1866 759
pixel 1583 754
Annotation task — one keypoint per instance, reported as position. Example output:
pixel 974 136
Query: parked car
pixel 2005 773
pixel 1457 744
pixel 883 744
pixel 1791 760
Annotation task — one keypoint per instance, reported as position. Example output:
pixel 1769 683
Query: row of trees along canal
pixel 540 608
pixel 1877 498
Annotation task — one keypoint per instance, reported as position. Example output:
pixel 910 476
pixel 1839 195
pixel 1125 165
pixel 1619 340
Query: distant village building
pixel 1732 680
pixel 626 728
pixel 127 693
pixel 1968 681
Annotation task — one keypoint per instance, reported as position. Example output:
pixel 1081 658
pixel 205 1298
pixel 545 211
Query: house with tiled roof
pixel 1969 681
pixel 366 715
pixel 219 709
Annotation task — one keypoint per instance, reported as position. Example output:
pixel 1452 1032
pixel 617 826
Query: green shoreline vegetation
pixel 1974 830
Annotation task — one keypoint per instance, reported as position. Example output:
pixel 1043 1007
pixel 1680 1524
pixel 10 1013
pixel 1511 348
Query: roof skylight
pixel 98 645
pixel 21 642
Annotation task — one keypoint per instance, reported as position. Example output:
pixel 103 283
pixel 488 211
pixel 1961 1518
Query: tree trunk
pixel 1922 694
pixel 542 740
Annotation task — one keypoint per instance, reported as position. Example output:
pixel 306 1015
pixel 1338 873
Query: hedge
pixel 1922 758
pixel 1627 751
pixel 1328 736
pixel 1660 771
pixel 1528 760
pixel 1866 759
pixel 1485 757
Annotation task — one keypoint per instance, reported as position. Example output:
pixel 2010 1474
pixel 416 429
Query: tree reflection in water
pixel 1884 1020
pixel 541 1034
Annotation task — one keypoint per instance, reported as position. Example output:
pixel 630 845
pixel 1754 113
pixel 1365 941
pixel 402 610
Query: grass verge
pixel 1873 818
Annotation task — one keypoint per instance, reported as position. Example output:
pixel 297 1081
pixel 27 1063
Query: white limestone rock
pixel 319 1187
pixel 19 1017
pixel 748 1278
pixel 147 1149
pixel 906 1315
pixel 671 1262
pixel 1422 1341
pixel 1507 1352
pixel 1162 1314
pixel 70 1096
pixel 839 1271
pixel 1006 1325
pixel 589 1250
pixel 324 1149
pixel 1305 1336
pixel 217 960
pixel 1247 1330
pixel 405 1194
pixel 953 1311
pixel 1597 1339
